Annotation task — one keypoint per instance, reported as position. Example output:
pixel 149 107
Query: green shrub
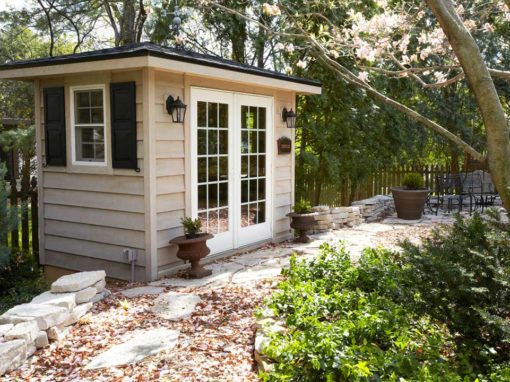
pixel 20 280
pixel 439 312
pixel 192 227
pixel 461 277
pixel 302 207
pixel 413 181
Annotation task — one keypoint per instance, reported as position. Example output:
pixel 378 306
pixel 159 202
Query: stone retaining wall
pixel 375 208
pixel 366 210
pixel 28 327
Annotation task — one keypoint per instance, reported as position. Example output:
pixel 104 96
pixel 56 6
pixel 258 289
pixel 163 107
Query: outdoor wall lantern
pixel 176 108
pixel 289 117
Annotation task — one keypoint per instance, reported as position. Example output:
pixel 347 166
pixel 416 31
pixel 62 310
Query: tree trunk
pixel 482 85
pixel 127 26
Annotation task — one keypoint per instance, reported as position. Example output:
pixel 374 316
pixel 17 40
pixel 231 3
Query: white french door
pixel 231 171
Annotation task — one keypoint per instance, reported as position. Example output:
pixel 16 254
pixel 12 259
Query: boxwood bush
pixel 438 312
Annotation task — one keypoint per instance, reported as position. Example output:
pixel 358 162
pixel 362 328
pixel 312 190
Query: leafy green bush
pixel 20 280
pixel 413 181
pixel 434 313
pixel 461 277
pixel 302 207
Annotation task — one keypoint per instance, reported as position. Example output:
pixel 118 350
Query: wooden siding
pixel 283 169
pixel 173 162
pixel 91 213
pixel 170 170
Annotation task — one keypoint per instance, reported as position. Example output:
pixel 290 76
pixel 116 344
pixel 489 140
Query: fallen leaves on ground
pixel 215 344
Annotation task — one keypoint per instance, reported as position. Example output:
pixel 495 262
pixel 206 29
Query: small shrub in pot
pixel 192 227
pixel 411 197
pixel 413 181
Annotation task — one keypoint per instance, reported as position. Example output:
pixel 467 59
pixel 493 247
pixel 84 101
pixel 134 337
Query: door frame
pixel 224 243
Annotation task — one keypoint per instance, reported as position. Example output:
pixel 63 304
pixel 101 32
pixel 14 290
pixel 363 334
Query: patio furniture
pixel 448 193
pixel 481 189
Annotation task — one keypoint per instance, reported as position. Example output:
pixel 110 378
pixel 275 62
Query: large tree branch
pixel 321 53
pixel 50 26
pixel 113 23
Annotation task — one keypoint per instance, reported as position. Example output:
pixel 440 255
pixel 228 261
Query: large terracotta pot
pixel 193 250
pixel 302 223
pixel 409 203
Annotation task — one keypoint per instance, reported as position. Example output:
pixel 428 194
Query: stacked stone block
pixel 28 327
pixel 375 208
pixel 346 217
pixel 322 219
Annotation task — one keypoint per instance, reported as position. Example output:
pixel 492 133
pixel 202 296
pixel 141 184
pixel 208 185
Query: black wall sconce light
pixel 289 117
pixel 176 108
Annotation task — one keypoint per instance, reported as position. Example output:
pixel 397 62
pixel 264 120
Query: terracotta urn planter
pixel 409 204
pixel 193 250
pixel 302 223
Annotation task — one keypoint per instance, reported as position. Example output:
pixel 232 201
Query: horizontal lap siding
pixel 170 171
pixel 283 170
pixel 91 213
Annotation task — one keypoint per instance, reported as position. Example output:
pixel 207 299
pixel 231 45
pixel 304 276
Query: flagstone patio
pixel 210 321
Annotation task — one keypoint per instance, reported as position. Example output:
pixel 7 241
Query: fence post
pixel 35 218
pixel 14 203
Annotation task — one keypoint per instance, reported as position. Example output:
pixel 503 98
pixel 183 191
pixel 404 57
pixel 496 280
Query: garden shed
pixel 132 139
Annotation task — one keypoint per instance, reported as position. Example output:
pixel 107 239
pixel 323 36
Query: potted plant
pixel 193 247
pixel 303 219
pixel 410 199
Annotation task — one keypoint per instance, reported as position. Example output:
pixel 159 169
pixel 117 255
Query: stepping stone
pixel 175 306
pixel 222 272
pixel 65 300
pixel 77 281
pixel 258 257
pixel 46 316
pixel 12 355
pixel 254 274
pixel 142 345
pixel 141 291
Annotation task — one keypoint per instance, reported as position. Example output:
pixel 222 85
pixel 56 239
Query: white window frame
pixel 75 161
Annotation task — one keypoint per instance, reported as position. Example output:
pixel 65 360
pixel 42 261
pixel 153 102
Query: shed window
pixel 89 125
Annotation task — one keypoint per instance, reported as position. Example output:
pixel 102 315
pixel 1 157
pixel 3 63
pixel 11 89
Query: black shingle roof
pixel 150 49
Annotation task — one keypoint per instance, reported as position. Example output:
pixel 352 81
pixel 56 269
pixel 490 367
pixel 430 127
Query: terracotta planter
pixel 303 223
pixel 409 203
pixel 193 250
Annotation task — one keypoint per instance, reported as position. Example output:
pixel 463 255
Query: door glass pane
pixel 223 168
pixel 212 114
pixel 213 173
pixel 202 197
pixel 202 142
pixel 202 170
pixel 253 166
pixel 223 141
pixel 223 115
pixel 223 220
pixel 213 169
pixel 202 114
pixel 262 118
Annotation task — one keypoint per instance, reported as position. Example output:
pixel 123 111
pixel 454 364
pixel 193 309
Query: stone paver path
pixel 190 330
pixel 143 344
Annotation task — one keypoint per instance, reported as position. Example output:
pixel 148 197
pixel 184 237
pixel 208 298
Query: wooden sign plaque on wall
pixel 284 145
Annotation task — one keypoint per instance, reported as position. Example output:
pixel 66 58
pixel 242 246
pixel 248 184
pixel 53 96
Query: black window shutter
pixel 123 116
pixel 55 126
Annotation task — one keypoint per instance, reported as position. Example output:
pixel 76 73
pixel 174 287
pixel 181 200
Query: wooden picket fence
pixel 377 183
pixel 26 235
